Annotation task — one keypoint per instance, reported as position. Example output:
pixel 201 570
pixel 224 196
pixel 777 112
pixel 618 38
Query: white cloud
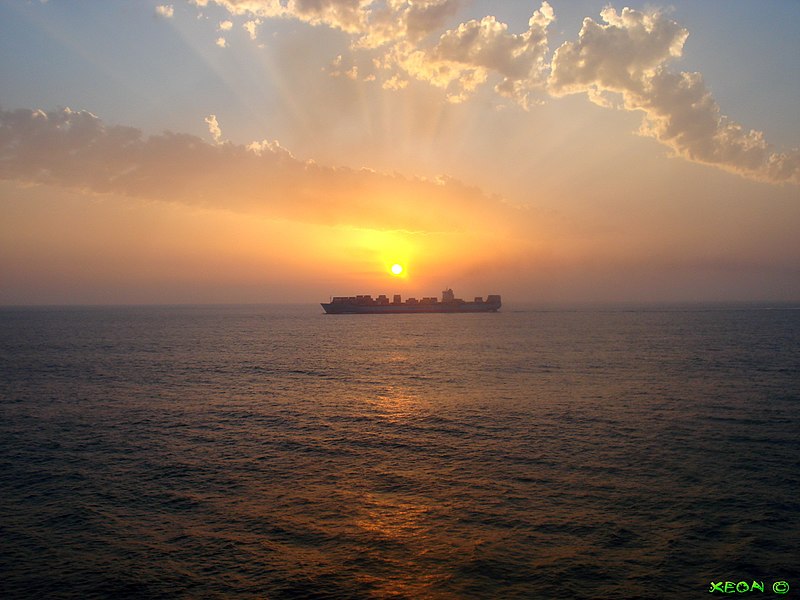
pixel 270 147
pixel 394 83
pixel 519 58
pixel 165 10
pixel 619 55
pixel 221 42
pixel 213 128
pixel 225 25
pixel 373 23
pixel 347 15
pixel 458 79
pixel 628 54
pixel 404 20
pixel 338 69
pixel 252 28
pixel 465 57
pixel 461 61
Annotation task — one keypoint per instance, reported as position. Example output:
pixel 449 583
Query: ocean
pixel 277 452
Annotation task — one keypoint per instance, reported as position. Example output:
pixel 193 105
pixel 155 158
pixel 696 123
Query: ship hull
pixel 341 308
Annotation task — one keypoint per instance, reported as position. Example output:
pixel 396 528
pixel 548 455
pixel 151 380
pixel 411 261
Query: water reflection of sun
pixel 400 522
pixel 391 517
pixel 395 405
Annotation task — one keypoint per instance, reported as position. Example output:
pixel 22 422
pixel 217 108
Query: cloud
pixel 619 55
pixel 373 23
pixel 459 80
pixel 252 28
pixel 347 15
pixel 681 113
pixel 337 69
pixel 78 151
pixel 165 10
pixel 421 18
pixel 628 54
pixel 225 25
pixel 464 57
pixel 404 20
pixel 213 128
pixel 394 83
pixel 221 42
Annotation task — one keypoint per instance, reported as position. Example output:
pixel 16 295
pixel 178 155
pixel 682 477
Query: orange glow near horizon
pixel 242 257
pixel 409 262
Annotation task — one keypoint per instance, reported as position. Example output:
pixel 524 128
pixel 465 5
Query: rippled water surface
pixel 276 452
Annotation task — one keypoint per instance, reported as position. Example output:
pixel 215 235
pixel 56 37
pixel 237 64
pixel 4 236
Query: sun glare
pixel 397 269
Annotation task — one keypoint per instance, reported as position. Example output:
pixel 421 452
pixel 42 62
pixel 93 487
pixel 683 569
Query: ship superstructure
pixel 366 304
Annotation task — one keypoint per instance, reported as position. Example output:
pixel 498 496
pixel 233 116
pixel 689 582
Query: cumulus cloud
pixel 421 18
pixel 77 150
pixel 213 128
pixel 165 10
pixel 464 57
pixel 404 20
pixel 459 80
pixel 619 55
pixel 373 23
pixel 625 55
pixel 347 15
pixel 337 68
pixel 628 54
pixel 252 28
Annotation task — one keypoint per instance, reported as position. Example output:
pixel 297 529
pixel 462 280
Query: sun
pixel 396 269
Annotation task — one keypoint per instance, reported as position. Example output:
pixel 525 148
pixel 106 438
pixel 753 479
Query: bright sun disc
pixel 397 269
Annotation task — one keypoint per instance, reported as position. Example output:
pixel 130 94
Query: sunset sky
pixel 219 151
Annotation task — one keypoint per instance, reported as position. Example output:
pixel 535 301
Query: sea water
pixel 277 452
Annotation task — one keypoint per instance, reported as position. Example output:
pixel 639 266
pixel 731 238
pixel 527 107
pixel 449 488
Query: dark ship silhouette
pixel 367 305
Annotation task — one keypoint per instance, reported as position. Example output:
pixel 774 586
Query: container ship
pixel 367 305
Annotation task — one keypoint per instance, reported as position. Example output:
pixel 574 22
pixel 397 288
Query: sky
pixel 271 151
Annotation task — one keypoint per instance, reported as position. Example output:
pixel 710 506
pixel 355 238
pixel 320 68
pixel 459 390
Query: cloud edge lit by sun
pixel 626 53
